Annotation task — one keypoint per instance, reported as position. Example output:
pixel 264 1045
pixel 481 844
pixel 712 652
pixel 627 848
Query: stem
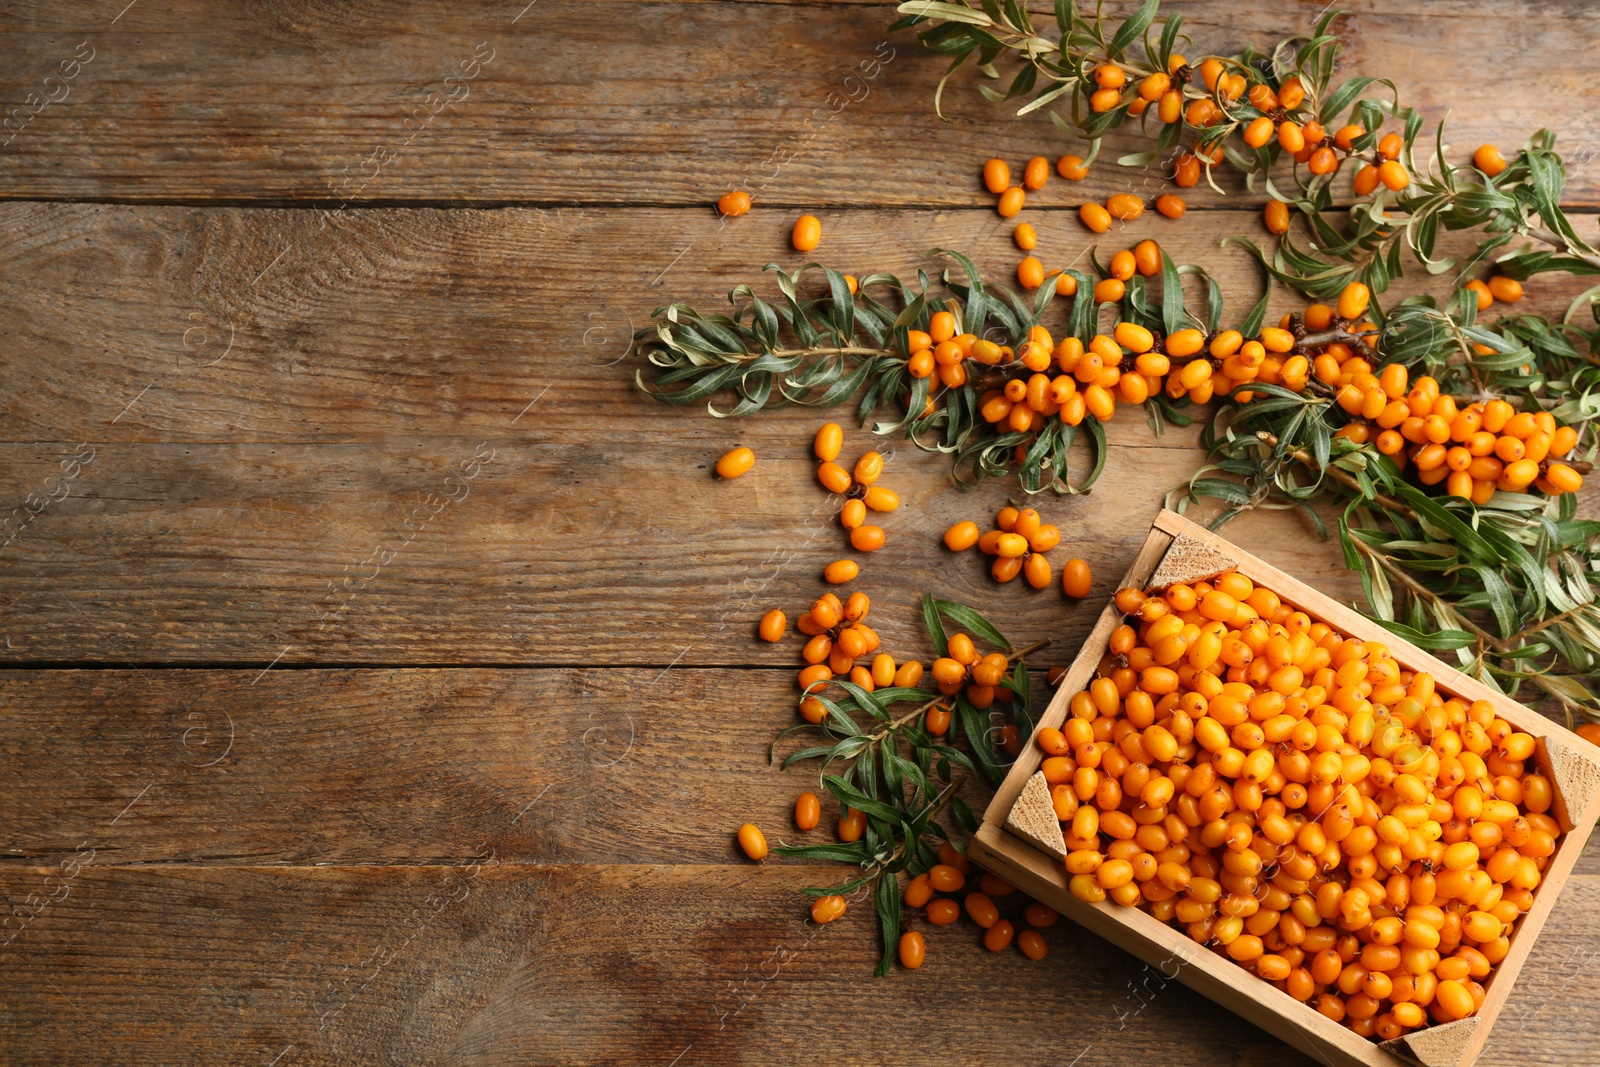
pixel 1539 233
pixel 1328 337
pixel 1344 478
pixel 1019 653
pixel 1416 588
pixel 851 350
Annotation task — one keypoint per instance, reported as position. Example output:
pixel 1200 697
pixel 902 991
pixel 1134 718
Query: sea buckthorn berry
pixel 1032 944
pixel 1171 205
pixel 943 912
pixel 1075 579
pixel 834 478
pixel 737 203
pixel 998 936
pixel 1489 160
pixel 735 463
pixel 852 824
pixel 1046 537
pixel 1011 201
pixel 880 499
pixel 830 439
pixel 1353 301
pixel 1275 216
pixel 753 842
pixel 853 514
pixel 913 950
pixel 773 624
pixel 1506 289
pixel 1290 137
pixel 1072 168
pixel 869 468
pixel 1186 170
pixel 1036 173
pixel 1481 291
pixel 807 233
pixel 996 176
pixel 1124 206
pixel 1036 569
pixel 981 910
pixel 807 811
pixel 1147 258
pixel 867 538
pixel 1030 273
pixel 946 878
pixel 1389 145
pixel 961 536
pixel 1095 217
pixel 827 909
pixel 1393 175
pixel 1123 265
pixel 1366 180
pixel 841 571
pixel 1026 237
pixel 1259 132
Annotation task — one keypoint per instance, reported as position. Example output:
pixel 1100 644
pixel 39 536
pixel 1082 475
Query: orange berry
pixel 807 233
pixel 1030 273
pixel 753 842
pixel 1026 237
pixel 1036 173
pixel 737 462
pixel 1393 175
pixel 1124 206
pixel 1072 168
pixel 1011 202
pixel 841 571
pixel 1506 289
pixel 1171 205
pixel 827 909
pixel 996 176
pixel 734 204
pixel 867 538
pixel 913 950
pixel 807 811
pixel 1095 217
pixel 773 624
pixel 1489 160
pixel 1075 579
pixel 1275 216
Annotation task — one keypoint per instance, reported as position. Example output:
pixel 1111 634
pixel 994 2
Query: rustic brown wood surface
pixel 299 764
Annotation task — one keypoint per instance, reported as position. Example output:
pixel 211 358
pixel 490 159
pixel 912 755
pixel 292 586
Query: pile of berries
pixel 1471 451
pixel 837 636
pixel 982 905
pixel 1018 544
pixel 857 485
pixel 1301 804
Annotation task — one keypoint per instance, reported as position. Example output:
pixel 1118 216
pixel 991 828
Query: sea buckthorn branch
pixel 1255 112
pixel 900 773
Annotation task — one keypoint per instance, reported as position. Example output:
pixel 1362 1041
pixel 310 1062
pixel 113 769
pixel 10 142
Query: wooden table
pixel 380 685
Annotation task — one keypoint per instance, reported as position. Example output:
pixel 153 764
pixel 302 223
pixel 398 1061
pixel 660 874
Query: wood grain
pixel 625 964
pixel 381 766
pixel 349 103
pixel 271 502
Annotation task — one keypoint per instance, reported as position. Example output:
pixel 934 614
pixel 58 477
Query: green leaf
pixel 887 898
pixel 972 621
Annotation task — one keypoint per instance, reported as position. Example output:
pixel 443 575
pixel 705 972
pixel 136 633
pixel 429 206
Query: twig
pixel 1418 589
pixel 1343 477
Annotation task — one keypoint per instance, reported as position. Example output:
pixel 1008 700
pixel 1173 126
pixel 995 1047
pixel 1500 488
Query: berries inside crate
pixel 1007 841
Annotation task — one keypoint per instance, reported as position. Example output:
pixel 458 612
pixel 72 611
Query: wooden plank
pixel 270 502
pixel 191 324
pixel 309 100
pixel 630 964
pixel 399 766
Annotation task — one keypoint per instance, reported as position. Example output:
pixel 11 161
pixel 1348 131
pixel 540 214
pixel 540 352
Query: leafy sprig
pixel 901 775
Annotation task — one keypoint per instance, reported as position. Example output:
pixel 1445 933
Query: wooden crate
pixel 1572 764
